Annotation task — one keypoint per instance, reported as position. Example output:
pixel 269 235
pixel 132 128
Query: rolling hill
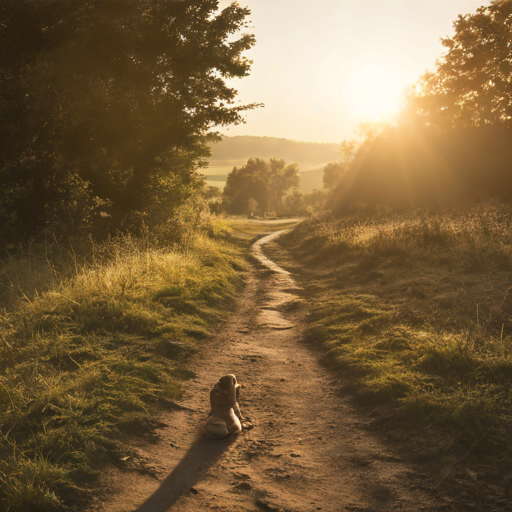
pixel 235 151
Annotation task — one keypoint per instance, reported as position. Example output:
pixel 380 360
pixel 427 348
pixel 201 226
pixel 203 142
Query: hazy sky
pixel 322 66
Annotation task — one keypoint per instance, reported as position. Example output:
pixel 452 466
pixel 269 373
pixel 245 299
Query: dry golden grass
pixel 412 309
pixel 246 229
pixel 89 353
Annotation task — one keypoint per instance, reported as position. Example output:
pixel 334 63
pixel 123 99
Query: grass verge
pixel 413 311
pixel 85 363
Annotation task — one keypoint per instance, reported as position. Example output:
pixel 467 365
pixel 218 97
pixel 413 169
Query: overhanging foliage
pixel 105 103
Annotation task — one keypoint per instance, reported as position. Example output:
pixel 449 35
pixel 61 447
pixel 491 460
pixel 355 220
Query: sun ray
pixel 372 92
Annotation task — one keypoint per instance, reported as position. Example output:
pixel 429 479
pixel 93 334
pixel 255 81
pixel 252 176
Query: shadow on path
pixel 201 456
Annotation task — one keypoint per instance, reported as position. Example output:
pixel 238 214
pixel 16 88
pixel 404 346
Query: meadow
pixel 413 311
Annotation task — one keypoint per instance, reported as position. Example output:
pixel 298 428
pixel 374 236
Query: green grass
pixel 244 230
pixel 411 310
pixel 88 357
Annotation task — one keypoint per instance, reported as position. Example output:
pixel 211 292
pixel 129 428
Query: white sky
pixel 322 66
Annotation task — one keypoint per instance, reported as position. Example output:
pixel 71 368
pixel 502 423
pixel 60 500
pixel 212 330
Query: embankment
pixel 88 357
pixel 412 311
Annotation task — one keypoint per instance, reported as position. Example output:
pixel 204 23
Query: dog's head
pixel 227 382
pixel 225 391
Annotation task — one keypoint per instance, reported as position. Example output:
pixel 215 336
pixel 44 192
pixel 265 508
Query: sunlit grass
pixel 412 310
pixel 246 229
pixel 87 357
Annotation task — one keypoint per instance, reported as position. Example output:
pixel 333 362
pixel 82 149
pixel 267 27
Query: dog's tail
pixel 216 428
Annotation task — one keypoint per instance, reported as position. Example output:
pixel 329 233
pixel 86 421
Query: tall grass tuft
pixel 91 349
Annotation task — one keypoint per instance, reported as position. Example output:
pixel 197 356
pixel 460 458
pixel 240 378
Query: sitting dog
pixel 225 416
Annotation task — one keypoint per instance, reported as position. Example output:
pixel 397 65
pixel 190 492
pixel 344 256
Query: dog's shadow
pixel 200 457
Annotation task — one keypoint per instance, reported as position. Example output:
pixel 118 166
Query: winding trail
pixel 309 449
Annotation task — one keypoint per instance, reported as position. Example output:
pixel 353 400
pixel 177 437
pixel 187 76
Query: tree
pixel 245 183
pixel 334 171
pixel 297 203
pixel 281 178
pixel 264 181
pixel 253 207
pixel 472 83
pixel 104 104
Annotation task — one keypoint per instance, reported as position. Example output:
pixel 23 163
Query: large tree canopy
pixel 472 85
pixel 104 103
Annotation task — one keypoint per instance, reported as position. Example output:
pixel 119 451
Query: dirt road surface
pixel 309 449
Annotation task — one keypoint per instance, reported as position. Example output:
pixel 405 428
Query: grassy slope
pixel 410 310
pixel 85 364
pixel 91 350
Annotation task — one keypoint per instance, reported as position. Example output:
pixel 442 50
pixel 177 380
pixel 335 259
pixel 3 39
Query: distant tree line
pixel 106 106
pixel 241 146
pixel 425 167
pixel 270 187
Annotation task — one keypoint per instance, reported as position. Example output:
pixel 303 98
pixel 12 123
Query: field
pixel 95 340
pixel 218 171
pixel 413 312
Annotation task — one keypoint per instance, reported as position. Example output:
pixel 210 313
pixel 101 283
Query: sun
pixel 372 92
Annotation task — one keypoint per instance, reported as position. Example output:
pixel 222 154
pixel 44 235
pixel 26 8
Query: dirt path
pixel 309 450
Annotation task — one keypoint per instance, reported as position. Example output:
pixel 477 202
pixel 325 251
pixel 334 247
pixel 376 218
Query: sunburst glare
pixel 372 92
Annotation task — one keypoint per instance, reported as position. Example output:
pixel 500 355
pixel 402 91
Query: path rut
pixel 309 449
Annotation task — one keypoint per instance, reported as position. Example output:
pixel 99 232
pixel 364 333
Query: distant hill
pixel 235 151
